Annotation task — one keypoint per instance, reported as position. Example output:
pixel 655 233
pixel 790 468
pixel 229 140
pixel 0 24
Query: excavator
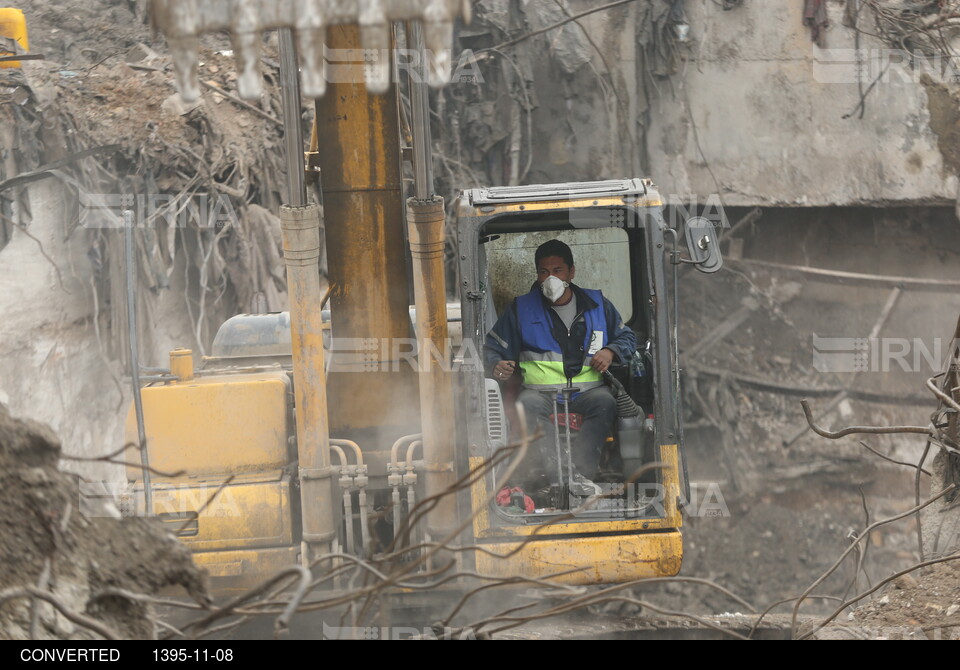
pixel 357 422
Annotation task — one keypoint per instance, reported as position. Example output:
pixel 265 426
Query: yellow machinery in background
pixel 13 27
pixel 312 432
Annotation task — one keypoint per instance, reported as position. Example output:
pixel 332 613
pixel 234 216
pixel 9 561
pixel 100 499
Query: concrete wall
pixel 770 124
pixel 754 110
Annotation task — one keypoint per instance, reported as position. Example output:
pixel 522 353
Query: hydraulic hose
pixel 626 407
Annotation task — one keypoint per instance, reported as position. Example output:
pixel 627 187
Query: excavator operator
pixel 561 336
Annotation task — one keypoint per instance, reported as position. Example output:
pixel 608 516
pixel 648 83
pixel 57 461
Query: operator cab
pixel 610 227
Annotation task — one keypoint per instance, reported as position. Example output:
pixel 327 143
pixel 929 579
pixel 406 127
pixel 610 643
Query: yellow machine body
pixel 13 25
pixel 235 507
pixel 222 424
pixel 252 511
pixel 593 559
pixel 578 552
pixel 239 533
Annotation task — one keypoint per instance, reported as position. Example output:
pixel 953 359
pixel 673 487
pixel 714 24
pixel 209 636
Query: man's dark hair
pixel 554 248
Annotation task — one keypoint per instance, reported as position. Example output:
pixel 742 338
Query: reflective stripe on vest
pixel 544 375
pixel 541 359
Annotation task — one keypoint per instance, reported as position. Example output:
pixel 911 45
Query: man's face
pixel 556 267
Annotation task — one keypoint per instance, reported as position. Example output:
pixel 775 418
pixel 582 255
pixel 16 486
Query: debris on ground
pixel 85 564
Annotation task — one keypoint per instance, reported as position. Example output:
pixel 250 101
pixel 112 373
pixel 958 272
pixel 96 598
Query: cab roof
pixel 577 190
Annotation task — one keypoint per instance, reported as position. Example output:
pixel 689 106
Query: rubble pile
pixel 47 542
pixel 922 605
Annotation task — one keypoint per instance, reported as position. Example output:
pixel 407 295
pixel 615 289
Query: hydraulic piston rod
pixel 301 252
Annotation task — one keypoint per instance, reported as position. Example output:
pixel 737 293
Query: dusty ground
pixel 925 603
pixel 792 510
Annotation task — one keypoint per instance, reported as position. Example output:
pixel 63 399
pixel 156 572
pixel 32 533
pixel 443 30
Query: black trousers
pixel 599 409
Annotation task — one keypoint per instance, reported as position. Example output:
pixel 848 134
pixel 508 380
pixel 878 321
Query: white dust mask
pixel 553 288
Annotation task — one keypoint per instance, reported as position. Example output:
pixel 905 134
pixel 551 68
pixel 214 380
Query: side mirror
pixel 703 244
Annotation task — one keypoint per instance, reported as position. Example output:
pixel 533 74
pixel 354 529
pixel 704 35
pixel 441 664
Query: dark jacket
pixel 503 341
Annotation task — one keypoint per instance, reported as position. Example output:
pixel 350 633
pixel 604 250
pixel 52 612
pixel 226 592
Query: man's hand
pixel 602 360
pixel 503 370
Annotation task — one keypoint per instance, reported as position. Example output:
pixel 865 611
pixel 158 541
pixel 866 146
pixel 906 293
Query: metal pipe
pixel 395 478
pixel 348 519
pixel 410 480
pixel 567 393
pixel 425 221
pixel 420 114
pixel 411 503
pixel 346 484
pixel 301 253
pixel 340 455
pixel 364 513
pixel 360 481
pixel 353 445
pixel 400 441
pixel 292 120
pixel 131 263
pixel 397 508
pixel 395 475
pixel 556 442
pixel 410 450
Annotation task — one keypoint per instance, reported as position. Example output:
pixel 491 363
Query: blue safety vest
pixel 541 359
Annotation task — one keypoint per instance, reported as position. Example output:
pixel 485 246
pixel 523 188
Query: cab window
pixel 601 257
